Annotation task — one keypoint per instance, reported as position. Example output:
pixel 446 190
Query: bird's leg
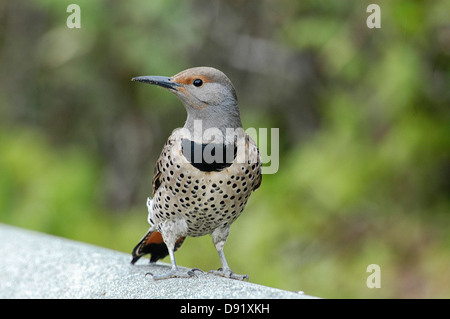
pixel 219 238
pixel 174 272
pixel 225 271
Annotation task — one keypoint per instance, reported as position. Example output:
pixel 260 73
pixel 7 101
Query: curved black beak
pixel 162 81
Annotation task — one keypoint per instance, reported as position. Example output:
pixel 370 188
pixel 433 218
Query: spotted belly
pixel 205 200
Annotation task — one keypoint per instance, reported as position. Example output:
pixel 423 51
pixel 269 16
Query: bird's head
pixel 207 94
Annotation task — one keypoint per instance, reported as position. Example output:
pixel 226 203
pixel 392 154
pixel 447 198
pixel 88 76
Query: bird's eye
pixel 197 82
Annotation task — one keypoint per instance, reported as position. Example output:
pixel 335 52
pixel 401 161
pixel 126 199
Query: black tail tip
pixel 135 258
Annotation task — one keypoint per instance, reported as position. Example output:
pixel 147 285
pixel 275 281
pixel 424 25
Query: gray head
pixel 207 94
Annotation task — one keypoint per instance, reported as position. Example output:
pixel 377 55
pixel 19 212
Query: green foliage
pixel 363 117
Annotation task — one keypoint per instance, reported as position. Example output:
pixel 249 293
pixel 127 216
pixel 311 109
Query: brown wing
pixel 156 176
pixel 152 243
pixel 249 142
pixel 258 183
pixel 157 173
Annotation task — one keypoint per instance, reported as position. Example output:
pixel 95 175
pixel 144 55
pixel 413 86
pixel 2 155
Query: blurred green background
pixel 364 119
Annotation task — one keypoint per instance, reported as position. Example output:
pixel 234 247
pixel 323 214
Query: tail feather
pixel 152 243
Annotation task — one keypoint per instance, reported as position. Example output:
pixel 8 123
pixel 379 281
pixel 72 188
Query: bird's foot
pixel 175 273
pixel 227 273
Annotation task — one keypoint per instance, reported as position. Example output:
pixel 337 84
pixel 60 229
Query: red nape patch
pixel 186 80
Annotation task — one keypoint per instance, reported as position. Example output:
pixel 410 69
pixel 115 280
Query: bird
pixel 205 173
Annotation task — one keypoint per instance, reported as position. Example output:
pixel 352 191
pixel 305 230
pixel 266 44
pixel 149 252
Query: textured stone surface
pixel 36 265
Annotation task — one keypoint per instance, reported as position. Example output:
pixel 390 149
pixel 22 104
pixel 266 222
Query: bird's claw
pixel 227 273
pixel 175 273
pixel 193 270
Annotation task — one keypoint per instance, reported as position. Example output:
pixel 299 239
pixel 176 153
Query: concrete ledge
pixel 36 265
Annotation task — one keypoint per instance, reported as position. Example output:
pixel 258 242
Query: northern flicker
pixel 206 171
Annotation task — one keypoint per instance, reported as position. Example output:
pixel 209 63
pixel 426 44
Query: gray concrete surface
pixel 37 265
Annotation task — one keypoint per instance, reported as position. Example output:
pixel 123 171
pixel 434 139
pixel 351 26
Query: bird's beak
pixel 162 81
